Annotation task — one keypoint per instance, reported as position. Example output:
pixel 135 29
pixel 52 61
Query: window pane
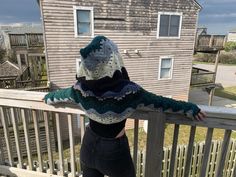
pixel 83 28
pixel 174 20
pixel 83 15
pixel 166 63
pixel 174 25
pixel 164 25
pixel 165 73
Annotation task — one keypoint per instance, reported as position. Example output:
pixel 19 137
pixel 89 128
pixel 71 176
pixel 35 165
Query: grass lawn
pixel 183 135
pixel 228 92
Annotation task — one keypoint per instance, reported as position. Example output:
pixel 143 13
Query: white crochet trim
pixel 101 63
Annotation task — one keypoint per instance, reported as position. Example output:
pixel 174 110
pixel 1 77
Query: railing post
pixel 155 138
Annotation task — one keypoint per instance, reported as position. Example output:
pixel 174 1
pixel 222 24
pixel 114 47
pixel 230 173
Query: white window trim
pixel 171 70
pixel 158 24
pixel 75 8
pixel 78 61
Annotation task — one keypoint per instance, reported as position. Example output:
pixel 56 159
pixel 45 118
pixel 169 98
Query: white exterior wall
pixel 232 37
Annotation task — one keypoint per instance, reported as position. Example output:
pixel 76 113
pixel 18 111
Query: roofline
pixel 11 64
pixel 197 3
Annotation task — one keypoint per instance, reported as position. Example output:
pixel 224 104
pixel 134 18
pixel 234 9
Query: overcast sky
pixel 219 16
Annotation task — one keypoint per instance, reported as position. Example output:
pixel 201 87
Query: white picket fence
pixel 198 152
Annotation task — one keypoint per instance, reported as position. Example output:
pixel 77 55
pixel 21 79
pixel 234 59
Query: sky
pixel 219 16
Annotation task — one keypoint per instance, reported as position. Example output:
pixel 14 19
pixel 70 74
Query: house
pixel 25 44
pixel 7 30
pixel 232 35
pixel 10 73
pixel 156 39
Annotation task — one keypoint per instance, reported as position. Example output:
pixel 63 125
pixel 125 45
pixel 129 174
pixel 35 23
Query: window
pixel 165 68
pixel 169 25
pixel 83 21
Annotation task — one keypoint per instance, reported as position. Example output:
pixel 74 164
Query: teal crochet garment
pixel 104 91
pixel 112 110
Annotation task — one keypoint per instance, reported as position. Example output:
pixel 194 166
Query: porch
pixel 210 43
pixel 18 159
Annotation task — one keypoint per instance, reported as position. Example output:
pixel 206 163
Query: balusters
pixel 173 152
pixel 82 126
pixel 135 150
pixel 2 157
pixel 16 134
pixel 6 134
pixel 38 141
pixel 27 139
pixel 72 145
pixel 224 149
pixel 206 152
pixel 60 145
pixel 190 151
pixel 49 143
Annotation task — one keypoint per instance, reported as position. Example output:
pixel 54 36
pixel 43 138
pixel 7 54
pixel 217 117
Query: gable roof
pixel 10 69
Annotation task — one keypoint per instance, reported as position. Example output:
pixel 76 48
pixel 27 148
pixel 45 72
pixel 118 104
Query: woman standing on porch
pixel 108 97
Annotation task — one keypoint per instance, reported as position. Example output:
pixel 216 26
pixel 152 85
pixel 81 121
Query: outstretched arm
pixel 141 98
pixel 171 105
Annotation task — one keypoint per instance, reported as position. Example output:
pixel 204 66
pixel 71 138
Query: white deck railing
pixel 22 105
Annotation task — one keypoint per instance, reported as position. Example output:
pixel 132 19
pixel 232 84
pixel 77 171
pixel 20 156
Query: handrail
pixel 26 96
pixel 31 103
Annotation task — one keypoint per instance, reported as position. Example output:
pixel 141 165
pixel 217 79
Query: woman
pixel 108 97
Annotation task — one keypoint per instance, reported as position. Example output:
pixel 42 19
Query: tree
pixel 230 46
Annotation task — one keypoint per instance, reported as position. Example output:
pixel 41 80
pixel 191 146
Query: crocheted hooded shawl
pixel 103 89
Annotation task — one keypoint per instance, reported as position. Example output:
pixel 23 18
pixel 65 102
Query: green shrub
pixel 224 58
pixel 230 46
pixel 205 57
pixel 227 58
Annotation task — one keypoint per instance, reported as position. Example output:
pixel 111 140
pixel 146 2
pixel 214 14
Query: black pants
pixel 105 156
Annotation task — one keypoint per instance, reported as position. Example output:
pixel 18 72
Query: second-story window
pixel 169 25
pixel 83 21
pixel 165 67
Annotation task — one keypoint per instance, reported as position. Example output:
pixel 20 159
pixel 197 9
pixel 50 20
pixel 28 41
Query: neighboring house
pixel 155 38
pixel 10 73
pixel 232 35
pixel 7 30
pixel 25 44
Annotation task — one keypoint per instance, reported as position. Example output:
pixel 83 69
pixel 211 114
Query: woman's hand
pixel 200 116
